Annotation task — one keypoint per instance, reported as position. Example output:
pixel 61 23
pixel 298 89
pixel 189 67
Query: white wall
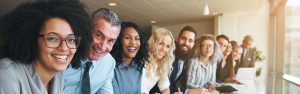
pixel 237 25
pixel 201 27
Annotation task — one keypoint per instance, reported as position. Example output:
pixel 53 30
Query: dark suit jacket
pixel 173 81
pixel 247 58
pixel 223 73
pixel 237 66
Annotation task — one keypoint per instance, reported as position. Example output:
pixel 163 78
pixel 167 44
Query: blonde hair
pixel 165 64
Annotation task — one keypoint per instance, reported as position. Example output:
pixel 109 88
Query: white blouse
pixel 148 82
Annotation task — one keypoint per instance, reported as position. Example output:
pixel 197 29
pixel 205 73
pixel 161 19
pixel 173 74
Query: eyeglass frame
pixel 61 39
pixel 207 46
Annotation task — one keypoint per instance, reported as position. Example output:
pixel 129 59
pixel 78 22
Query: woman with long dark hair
pixel 130 52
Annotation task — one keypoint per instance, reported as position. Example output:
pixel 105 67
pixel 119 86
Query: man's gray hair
pixel 108 15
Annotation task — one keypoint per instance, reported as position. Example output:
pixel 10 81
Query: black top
pixel 223 73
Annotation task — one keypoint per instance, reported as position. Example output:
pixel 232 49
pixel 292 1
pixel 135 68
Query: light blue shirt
pixel 101 75
pixel 127 79
pixel 180 67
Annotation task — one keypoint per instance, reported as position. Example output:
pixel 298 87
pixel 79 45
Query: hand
pixel 197 91
pixel 211 88
pixel 178 92
pixel 236 81
pixel 232 80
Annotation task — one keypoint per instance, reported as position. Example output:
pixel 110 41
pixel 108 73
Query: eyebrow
pixel 59 34
pixel 99 32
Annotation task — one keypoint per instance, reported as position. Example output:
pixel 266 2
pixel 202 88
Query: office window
pixel 292 47
pixel 292 38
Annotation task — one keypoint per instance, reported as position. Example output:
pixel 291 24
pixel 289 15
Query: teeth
pixel 161 53
pixel 61 57
pixel 131 48
pixel 97 50
pixel 184 47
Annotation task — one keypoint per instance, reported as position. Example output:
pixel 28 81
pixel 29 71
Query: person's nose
pixel 185 42
pixel 63 46
pixel 132 41
pixel 103 45
pixel 208 47
pixel 165 49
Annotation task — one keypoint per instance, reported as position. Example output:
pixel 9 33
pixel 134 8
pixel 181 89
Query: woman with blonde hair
pixel 161 47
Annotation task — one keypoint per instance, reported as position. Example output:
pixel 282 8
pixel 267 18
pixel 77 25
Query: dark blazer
pixel 228 70
pixel 236 67
pixel 223 73
pixel 173 81
pixel 247 58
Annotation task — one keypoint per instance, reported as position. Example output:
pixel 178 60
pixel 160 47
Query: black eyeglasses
pixel 53 41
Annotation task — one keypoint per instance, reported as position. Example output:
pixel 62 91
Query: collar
pixel 180 61
pixel 203 65
pixel 83 63
pixel 121 65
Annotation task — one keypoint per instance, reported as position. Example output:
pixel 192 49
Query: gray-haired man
pixel 95 74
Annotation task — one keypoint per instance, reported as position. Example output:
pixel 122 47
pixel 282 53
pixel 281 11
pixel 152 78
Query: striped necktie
pixel 86 88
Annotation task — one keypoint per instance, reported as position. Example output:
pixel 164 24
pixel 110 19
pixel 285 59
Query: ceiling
pixel 162 11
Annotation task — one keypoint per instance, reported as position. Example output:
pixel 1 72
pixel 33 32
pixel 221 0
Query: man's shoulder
pixel 108 57
pixel 107 61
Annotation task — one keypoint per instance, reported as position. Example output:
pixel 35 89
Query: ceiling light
pixel 112 4
pixel 153 22
pixel 206 9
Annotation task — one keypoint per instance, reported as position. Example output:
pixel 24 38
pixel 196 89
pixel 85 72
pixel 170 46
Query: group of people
pixel 56 47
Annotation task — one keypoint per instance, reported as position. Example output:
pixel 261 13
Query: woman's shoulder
pixel 9 74
pixel 8 64
pixel 194 60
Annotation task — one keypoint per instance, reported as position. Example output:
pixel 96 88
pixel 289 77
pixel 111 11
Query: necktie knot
pixel 88 65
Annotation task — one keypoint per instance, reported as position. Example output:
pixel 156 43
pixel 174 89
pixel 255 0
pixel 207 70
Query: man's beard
pixel 181 54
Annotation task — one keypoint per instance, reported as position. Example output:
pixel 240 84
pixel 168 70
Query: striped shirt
pixel 200 75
